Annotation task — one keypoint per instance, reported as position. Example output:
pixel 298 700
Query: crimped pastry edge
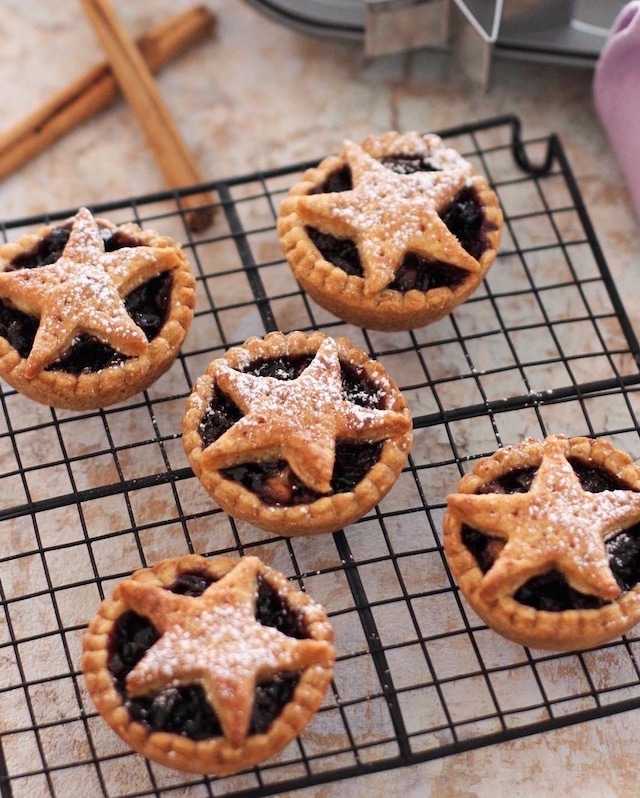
pixel 93 390
pixel 343 294
pixel 214 756
pixel 328 513
pixel 555 631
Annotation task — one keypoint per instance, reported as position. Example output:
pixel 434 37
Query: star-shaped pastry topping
pixel 214 640
pixel 82 292
pixel 389 214
pixel 555 525
pixel 297 420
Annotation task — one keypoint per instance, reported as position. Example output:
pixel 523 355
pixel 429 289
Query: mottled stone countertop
pixel 259 95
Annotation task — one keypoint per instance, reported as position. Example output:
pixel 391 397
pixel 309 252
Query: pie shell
pixel 566 630
pixel 214 756
pixel 343 294
pixel 328 513
pixel 93 390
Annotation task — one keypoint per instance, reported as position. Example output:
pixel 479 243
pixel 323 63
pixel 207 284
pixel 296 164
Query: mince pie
pixel 208 665
pixel 90 312
pixel 298 434
pixel 543 539
pixel 391 234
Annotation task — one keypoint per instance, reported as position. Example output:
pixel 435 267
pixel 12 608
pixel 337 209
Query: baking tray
pixel 342 19
pixel 543 346
pixel 571 32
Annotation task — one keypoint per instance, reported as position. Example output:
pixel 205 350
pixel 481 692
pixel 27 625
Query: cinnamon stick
pixel 176 163
pixel 94 90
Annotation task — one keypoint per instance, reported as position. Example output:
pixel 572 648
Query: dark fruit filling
pixel 551 591
pixel 147 306
pixel 184 710
pixel 408 164
pixel 272 611
pixel 415 272
pixel 463 217
pixel 275 483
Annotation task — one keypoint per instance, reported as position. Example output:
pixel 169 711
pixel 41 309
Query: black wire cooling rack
pixel 544 346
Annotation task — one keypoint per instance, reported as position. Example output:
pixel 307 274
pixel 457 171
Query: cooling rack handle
pixel 520 152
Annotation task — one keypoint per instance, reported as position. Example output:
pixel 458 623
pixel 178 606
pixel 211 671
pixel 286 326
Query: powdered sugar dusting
pixel 396 211
pixel 215 640
pixel 216 644
pixel 556 525
pixel 442 157
pixel 298 420
pixel 429 147
pixel 80 293
pixel 389 214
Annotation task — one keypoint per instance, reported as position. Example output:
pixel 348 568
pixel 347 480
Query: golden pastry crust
pixel 387 215
pixel 297 421
pixel 557 525
pixel 213 640
pixel 83 293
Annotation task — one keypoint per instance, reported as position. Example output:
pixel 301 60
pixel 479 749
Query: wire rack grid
pixel 85 498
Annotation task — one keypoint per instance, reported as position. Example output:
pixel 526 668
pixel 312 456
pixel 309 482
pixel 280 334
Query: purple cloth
pixel 616 93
